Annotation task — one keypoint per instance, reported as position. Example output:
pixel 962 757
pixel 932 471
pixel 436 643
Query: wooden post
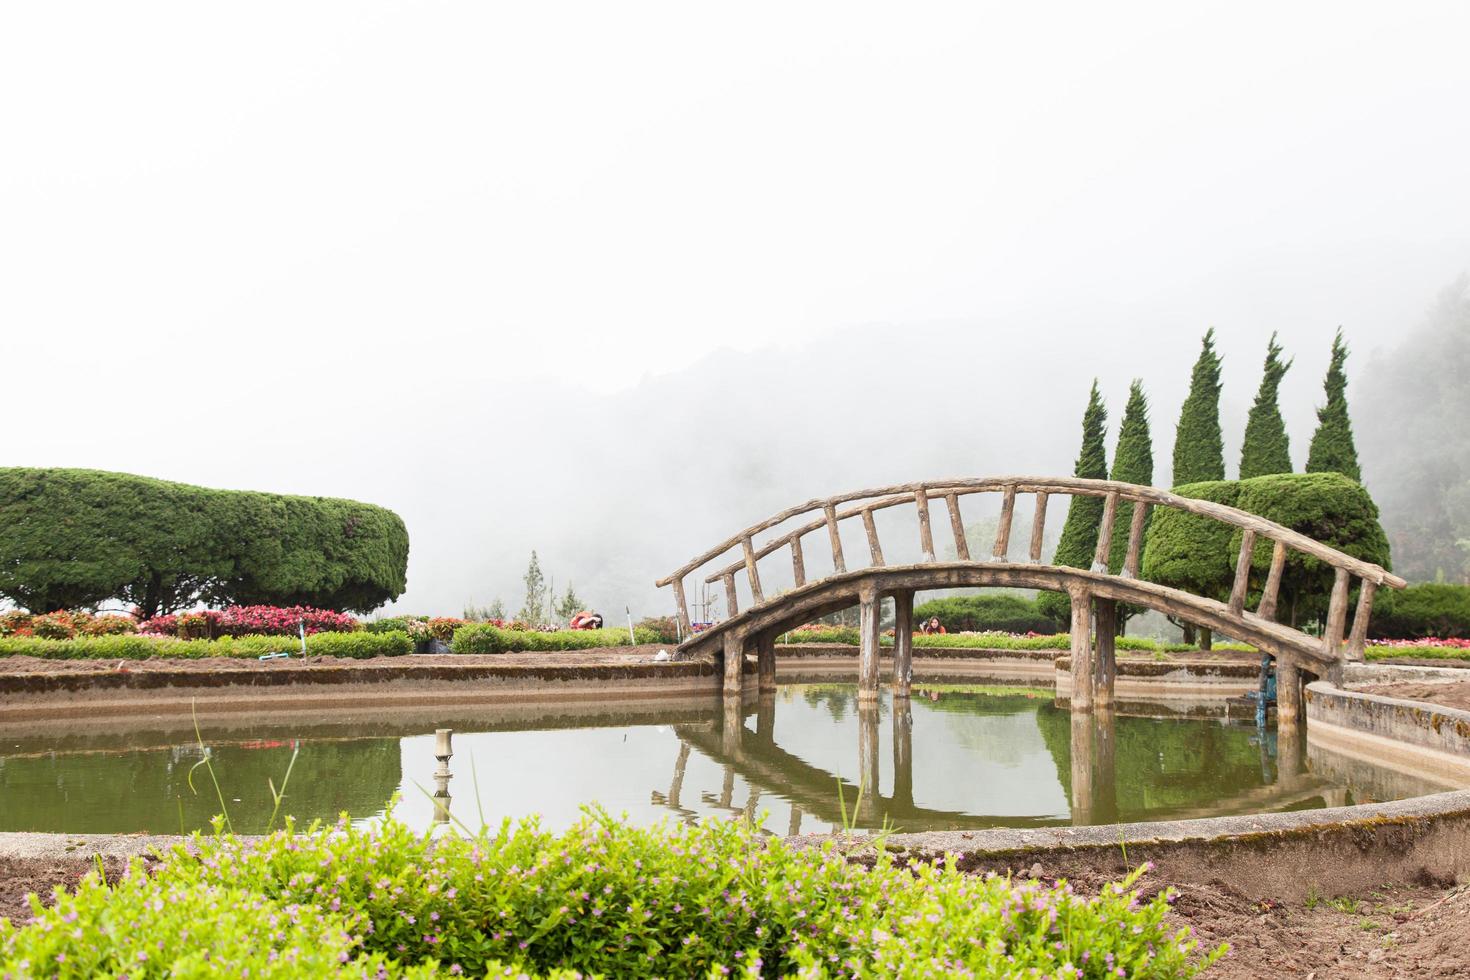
pixel 1289 749
pixel 835 536
pixel 957 525
pixel 870 605
pixel 1082 672
pixel 734 648
pixel 732 733
pixel 1359 638
pixel 926 533
pixel 765 718
pixel 1002 547
pixel 732 601
pixel 1084 791
pixel 1103 555
pixel 903 754
pixel 1242 572
pixel 676 786
pixel 1272 591
pixel 874 548
pixel 1288 693
pixel 903 643
pixel 1336 615
pixel 1038 527
pixel 765 647
pixel 868 761
pixel 1135 540
pixel 683 606
pixel 756 598
pixel 798 562
pixel 1105 669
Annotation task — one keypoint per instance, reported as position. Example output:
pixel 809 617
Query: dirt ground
pixel 1451 694
pixel 1408 932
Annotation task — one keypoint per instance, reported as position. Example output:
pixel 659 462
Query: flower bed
pixel 604 898
pixel 357 645
pixel 489 638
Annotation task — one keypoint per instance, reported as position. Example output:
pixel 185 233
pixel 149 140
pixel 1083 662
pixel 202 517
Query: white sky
pixel 383 227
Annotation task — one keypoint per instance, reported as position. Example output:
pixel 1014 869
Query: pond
pixel 954 757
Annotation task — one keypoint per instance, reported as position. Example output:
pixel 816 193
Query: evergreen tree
pixel 1332 449
pixel 569 606
pixel 1084 516
pixel 1266 449
pixel 1133 462
pixel 1199 451
pixel 533 610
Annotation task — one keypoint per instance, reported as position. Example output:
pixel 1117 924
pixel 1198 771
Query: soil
pixel 1450 694
pixel 1418 931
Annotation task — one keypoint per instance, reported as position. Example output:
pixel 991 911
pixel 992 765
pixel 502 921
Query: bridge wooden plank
pixel 1038 526
pixel 1103 555
pixel 756 596
pixel 926 533
pixel 874 547
pixel 1358 641
pixel 732 601
pixel 1002 547
pixel 836 538
pixel 1242 572
pixel 1336 615
pixel 957 525
pixel 1272 591
pixel 798 562
pixel 1135 541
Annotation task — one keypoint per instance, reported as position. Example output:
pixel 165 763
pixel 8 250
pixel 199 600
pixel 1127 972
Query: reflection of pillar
pixel 443 751
pixel 1290 750
pixel 765 719
pixel 732 731
pixel 794 827
pixel 734 648
pixel 903 643
pixel 1104 786
pixel 765 657
pixel 868 756
pixel 677 786
pixel 903 754
pixel 869 608
pixel 751 804
pixel 1105 667
pixel 1082 674
pixel 1084 794
pixel 727 788
pixel 1288 692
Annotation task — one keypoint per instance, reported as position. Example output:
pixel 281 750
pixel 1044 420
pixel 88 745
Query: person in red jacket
pixel 933 626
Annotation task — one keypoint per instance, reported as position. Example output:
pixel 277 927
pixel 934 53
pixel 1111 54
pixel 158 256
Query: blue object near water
pixel 275 656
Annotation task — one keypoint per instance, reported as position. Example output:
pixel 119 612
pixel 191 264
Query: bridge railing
pixel 863 504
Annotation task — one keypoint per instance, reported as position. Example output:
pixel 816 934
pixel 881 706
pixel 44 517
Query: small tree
pixel 569 606
pixel 1266 449
pixel 1084 516
pixel 1332 449
pixel 1199 450
pixel 1133 462
pixel 533 609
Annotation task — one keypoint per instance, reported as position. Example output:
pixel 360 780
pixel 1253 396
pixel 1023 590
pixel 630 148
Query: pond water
pixel 951 758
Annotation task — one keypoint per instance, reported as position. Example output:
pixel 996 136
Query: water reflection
pixel 796 759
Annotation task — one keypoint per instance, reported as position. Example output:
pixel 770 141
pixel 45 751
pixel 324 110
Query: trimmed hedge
pixel 999 612
pixel 355 645
pixel 994 641
pixel 1428 609
pixel 487 638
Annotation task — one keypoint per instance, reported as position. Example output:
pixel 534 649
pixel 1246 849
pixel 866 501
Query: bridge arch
pixel 1094 591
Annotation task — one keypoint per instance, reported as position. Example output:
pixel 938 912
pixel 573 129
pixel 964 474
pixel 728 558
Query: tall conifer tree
pixel 1266 449
pixel 1133 462
pixel 1199 451
pixel 1084 515
pixel 1332 449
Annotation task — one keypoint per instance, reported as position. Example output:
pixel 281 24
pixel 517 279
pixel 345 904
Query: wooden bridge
pixel 1094 592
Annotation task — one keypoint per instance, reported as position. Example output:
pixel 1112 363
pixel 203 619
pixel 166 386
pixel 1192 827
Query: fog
pixel 613 281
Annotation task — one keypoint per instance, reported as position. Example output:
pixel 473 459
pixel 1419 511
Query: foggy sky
pixel 612 281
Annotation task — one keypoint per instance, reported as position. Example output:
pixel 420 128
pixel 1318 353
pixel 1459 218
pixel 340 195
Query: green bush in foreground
pixel 602 899
pixel 355 645
pixel 487 638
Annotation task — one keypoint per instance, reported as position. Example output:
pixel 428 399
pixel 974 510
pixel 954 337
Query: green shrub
pixel 1420 653
pixel 609 899
pixel 357 645
pixel 1428 609
pixel 486 638
pixel 1001 612
pixel 393 624
pixel 662 627
pixel 1190 552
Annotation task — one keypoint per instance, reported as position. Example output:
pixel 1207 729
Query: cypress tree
pixel 1084 515
pixel 1332 449
pixel 1266 449
pixel 1199 451
pixel 1133 462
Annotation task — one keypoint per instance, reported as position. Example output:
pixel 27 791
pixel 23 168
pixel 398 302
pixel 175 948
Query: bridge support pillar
pixel 867 808
pixel 1288 693
pixel 903 643
pixel 734 649
pixel 903 754
pixel 1105 665
pixel 1083 676
pixel 765 647
pixel 870 605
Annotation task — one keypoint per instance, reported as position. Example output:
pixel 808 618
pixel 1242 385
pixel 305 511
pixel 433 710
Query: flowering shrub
pixel 110 625
pixel 1447 643
pixel 59 625
pixel 442 628
pixel 15 623
pixel 609 899
pixel 211 624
